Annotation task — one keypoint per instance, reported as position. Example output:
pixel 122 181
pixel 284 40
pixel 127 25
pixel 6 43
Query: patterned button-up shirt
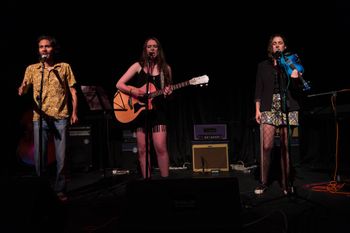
pixel 55 93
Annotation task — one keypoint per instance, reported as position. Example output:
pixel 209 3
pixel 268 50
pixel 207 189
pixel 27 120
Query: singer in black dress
pixel 153 69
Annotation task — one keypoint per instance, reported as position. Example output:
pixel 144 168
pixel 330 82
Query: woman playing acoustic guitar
pixel 150 73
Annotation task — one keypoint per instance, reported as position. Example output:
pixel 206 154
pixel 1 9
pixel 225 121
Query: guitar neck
pixel 173 87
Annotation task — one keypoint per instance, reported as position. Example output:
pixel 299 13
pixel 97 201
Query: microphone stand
pixel 336 176
pixel 284 107
pixel 39 98
pixel 150 66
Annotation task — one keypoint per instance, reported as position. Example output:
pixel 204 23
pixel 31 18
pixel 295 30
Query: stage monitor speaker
pixel 31 205
pixel 209 157
pixel 178 205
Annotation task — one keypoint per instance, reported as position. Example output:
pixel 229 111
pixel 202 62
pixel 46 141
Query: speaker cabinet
pixel 30 205
pixel 209 157
pixel 79 148
pixel 182 204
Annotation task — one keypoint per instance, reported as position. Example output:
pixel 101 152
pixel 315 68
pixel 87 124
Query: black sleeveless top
pixel 157 115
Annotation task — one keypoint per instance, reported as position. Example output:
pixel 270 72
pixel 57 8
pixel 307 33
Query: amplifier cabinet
pixel 79 148
pixel 209 157
pixel 209 132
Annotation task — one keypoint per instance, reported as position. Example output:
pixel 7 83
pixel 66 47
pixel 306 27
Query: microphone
pixel 151 55
pixel 43 57
pixel 277 54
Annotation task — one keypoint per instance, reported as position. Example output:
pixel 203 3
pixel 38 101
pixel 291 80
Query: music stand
pixel 97 100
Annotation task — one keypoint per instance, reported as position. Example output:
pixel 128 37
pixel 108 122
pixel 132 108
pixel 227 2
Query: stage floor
pixel 187 200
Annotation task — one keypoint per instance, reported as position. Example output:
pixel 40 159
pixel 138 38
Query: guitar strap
pixel 162 79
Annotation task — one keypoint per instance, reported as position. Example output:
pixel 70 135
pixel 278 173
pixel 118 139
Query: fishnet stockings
pixel 267 135
pixel 285 163
pixel 267 143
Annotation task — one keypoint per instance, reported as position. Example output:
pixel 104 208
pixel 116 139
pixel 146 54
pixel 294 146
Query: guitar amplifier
pixel 79 148
pixel 210 132
pixel 210 156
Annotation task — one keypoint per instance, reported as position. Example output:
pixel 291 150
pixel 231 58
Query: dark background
pixel 223 40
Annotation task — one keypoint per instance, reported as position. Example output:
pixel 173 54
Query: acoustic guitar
pixel 127 108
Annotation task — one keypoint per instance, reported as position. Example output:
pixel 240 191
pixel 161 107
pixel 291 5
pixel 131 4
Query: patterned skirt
pixel 276 117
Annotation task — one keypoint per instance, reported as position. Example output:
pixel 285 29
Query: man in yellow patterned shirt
pixel 53 86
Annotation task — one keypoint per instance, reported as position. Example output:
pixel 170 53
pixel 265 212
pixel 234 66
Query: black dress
pixel 157 114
